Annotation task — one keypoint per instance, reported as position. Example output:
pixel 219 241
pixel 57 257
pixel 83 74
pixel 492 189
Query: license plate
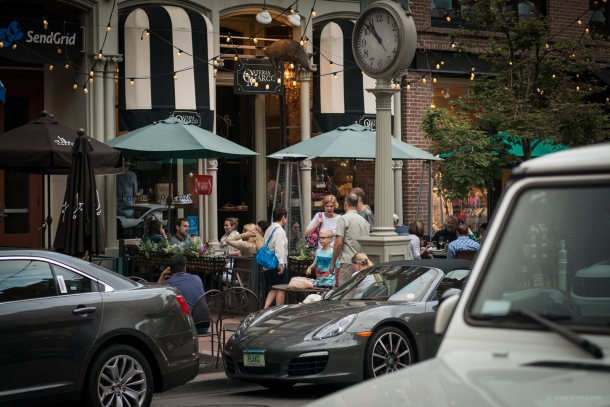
pixel 254 358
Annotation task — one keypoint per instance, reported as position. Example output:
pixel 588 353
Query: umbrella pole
pixel 421 181
pixel 49 219
pixel 170 199
pixel 430 181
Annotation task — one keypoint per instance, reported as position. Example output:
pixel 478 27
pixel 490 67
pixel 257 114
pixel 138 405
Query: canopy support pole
pixel 421 181
pixel 170 198
pixel 49 219
pixel 430 181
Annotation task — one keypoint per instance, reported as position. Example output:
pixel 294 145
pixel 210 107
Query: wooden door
pixel 21 195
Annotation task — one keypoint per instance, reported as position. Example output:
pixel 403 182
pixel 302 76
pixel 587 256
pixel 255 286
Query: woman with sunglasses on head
pixel 325 220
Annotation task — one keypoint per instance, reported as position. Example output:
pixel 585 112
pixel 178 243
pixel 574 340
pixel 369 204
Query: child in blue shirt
pixel 325 274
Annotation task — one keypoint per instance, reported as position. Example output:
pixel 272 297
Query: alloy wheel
pixel 122 383
pixel 390 353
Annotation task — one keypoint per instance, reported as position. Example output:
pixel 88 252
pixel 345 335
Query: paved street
pixel 215 389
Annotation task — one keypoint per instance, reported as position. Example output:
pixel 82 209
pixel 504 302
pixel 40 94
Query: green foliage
pixel 304 253
pixel 541 89
pixel 197 249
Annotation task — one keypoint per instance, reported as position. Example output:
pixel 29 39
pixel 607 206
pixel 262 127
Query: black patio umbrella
pixel 81 229
pixel 44 146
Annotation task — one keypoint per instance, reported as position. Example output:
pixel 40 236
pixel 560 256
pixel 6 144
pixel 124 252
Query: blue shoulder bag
pixel 266 257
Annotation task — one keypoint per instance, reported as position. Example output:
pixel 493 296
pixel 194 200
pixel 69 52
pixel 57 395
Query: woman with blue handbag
pixel 276 242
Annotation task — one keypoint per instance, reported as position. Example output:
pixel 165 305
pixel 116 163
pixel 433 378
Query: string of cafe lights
pixel 215 61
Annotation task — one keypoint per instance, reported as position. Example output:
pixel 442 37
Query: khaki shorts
pixel 345 272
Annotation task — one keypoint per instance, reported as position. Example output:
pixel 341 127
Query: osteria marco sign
pixel 25 37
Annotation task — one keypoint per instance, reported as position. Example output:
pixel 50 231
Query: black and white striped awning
pixel 342 101
pixel 152 60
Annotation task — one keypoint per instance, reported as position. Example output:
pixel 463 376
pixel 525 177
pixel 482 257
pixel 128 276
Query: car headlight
pixel 254 318
pixel 335 328
pixel 245 324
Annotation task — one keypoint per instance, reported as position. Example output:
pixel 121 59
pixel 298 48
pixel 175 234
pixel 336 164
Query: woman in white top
pixel 230 227
pixel 416 231
pixel 328 220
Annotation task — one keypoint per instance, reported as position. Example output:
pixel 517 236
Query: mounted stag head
pixel 289 51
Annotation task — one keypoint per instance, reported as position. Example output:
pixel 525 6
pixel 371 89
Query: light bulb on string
pixel 255 40
pixel 131 82
pixel 578 88
pixel 442 62
pixel 553 76
pixel 334 76
pixel 235 58
pixel 148 33
pixel 75 86
pixel 85 90
pixel 331 64
pixel 67 66
pixel 14 46
pixel 215 62
pixel 247 75
pixel 90 80
pixel 291 65
pixel 472 77
pixel 91 73
pixel 175 76
pixel 229 38
pixel 291 10
pixel 100 56
pixel 294 83
pixel 267 86
pixel 279 81
pixel 51 67
pixel 432 105
pixel 215 71
pixel 453 46
pixel 438 66
pixel 408 86
pixel 301 42
pixel 313 13
pixel 59 50
pixel 1 44
pixel 579 22
pixel 424 80
pixel 434 80
pixel 179 53
pixel 45 24
pixel 362 72
pixel 108 28
pixel 256 84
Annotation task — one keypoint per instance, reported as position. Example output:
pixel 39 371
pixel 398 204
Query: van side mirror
pixel 447 304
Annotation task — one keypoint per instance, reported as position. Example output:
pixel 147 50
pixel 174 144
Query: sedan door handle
pixel 80 310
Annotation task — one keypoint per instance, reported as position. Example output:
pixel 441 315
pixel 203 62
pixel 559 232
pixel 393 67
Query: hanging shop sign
pixel 202 185
pixel 25 37
pixel 256 78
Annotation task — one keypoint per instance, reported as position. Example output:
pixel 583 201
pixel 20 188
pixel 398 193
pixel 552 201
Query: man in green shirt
pixel 350 227
pixel 181 237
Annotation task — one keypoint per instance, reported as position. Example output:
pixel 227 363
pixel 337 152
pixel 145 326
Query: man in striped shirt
pixel 463 242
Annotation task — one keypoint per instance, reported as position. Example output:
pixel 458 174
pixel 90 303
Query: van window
pixel 552 258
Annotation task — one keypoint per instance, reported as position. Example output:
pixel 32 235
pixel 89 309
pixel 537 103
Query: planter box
pixel 207 264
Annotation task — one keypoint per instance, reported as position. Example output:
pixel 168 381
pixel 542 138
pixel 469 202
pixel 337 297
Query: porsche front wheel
pixel 387 351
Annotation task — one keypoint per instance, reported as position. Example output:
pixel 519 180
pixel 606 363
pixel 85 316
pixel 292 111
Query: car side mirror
pixel 327 294
pixel 447 304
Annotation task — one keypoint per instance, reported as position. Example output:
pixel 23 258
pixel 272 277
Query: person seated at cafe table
pixel 324 273
pixel 449 232
pixel 190 287
pixel 463 242
pixel 181 237
pixel 154 231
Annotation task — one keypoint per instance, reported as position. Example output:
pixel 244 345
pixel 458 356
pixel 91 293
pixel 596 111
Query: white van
pixel 532 327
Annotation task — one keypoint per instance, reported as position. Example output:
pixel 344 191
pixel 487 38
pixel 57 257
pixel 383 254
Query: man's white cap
pixel 395 217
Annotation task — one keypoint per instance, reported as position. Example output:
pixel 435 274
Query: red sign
pixel 202 185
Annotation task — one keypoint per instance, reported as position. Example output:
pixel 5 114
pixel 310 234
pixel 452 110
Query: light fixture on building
pixel 131 82
pixel 264 17
pixel 446 95
pixel 295 18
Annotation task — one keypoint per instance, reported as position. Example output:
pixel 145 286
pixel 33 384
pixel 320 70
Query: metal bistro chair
pixel 240 302
pixel 466 254
pixel 215 300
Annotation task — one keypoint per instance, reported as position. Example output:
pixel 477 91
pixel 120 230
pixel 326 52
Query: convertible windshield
pixel 550 260
pixel 393 283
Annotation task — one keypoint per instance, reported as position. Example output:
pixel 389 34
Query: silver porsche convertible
pixel 379 321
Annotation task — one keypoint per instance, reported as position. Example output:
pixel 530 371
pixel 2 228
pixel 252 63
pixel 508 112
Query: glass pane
pixel 72 283
pixel 16 204
pixel 25 279
pixel 551 258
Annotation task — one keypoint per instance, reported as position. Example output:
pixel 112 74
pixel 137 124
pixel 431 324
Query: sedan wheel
pixel 387 351
pixel 120 377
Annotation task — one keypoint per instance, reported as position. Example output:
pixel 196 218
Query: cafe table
pixel 303 291
pixel 438 254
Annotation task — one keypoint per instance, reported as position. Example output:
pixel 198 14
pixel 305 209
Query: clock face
pixel 377 40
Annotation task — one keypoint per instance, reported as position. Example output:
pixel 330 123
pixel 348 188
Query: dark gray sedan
pixel 379 321
pixel 71 331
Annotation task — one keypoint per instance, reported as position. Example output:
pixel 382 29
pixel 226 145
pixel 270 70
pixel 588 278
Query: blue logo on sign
pixel 11 34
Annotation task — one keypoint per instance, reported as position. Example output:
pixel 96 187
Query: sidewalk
pixel 208 370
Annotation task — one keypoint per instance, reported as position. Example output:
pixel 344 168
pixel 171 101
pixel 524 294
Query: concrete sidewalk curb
pixel 201 377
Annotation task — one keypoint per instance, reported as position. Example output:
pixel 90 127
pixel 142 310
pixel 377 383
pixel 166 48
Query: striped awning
pixel 342 101
pixel 152 60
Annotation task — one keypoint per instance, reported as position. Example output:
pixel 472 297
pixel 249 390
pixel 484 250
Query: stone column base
pixel 380 249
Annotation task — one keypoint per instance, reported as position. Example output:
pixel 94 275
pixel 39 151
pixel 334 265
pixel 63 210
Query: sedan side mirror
pixel 447 304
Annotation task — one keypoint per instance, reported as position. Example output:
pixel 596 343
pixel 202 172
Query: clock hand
pixel 372 28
